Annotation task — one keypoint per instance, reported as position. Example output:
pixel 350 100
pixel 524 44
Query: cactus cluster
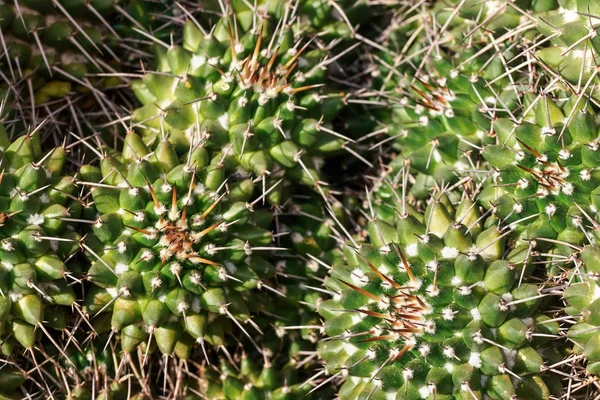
pixel 294 199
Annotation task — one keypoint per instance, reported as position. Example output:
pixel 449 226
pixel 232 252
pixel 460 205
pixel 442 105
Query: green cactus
pixel 434 90
pixel 281 371
pixel 441 303
pixel 544 171
pixel 331 21
pixel 553 157
pixel 257 378
pixel 572 43
pixel 55 51
pixel 249 92
pixel 440 74
pixel 176 246
pixel 36 204
pixel 38 244
pixel 581 309
pixel 92 373
pixel 11 379
pixel 189 259
pixel 289 337
pixel 86 367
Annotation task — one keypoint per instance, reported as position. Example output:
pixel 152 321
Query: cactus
pixel 571 42
pixel 544 169
pixel 176 247
pixel 55 51
pixel 198 252
pixel 38 243
pixel 289 333
pixel 435 77
pixel 331 21
pixel 280 372
pixel 269 377
pixel 248 88
pixel 545 181
pixel 581 310
pixel 441 303
pixel 37 202
pixel 440 74
pixel 84 369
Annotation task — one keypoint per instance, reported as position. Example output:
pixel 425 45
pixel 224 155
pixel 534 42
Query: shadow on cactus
pixel 37 244
pixel 65 58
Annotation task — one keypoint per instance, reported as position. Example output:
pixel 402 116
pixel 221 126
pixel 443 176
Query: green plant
pixel 442 302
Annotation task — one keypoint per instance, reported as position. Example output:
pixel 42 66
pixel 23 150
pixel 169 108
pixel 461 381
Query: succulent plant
pixel 544 180
pixel 571 43
pixel 214 239
pixel 331 21
pixel 248 88
pixel 38 242
pixel 581 305
pixel 62 60
pixel 255 377
pixel 36 204
pixel 443 302
pixel 437 75
pixel 176 246
pixel 280 371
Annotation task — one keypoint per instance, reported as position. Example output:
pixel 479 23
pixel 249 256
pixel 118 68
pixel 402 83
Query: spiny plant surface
pixel 36 247
pixel 287 361
pixel 176 247
pixel 581 298
pixel 441 302
pixel 438 74
pixel 250 88
pixel 445 73
pixel 544 168
pixel 64 61
pixel 545 177
pixel 479 252
pixel 332 21
pixel 570 44
pixel 539 157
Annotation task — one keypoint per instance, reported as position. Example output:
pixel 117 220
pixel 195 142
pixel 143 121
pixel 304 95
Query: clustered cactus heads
pixel 294 199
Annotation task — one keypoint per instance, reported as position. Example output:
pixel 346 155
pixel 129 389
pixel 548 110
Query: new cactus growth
pixel 249 88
